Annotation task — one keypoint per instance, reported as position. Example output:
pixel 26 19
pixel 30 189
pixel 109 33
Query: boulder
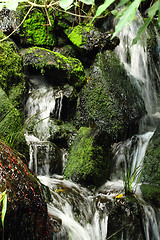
pixel 57 69
pixel 26 215
pixel 110 101
pixel 88 162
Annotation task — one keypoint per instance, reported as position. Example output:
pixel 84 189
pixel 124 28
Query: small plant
pixel 3 200
pixel 131 177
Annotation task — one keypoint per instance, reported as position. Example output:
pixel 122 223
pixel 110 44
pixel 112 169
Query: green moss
pixel 35 30
pixel 10 65
pixel 86 163
pixel 17 93
pixel 151 172
pixel 151 194
pixel 52 63
pixel 10 120
pixel 76 34
pixel 109 100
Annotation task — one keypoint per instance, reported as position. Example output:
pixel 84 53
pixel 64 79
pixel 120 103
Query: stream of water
pixel 83 217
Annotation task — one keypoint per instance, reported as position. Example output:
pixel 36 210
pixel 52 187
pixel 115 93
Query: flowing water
pixel 82 214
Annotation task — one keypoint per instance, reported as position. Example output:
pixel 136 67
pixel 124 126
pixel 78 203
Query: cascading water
pixel 40 104
pixel 82 214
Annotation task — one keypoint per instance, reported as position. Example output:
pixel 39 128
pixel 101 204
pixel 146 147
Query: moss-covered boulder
pixel 11 124
pixel 11 68
pixel 26 214
pixel 110 101
pixel 9 116
pixel 151 171
pixel 88 161
pixel 57 68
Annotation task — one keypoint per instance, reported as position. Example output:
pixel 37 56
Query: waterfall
pixel 43 101
pixel 81 214
pixel 81 217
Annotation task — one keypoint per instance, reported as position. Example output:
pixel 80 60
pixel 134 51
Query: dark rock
pixel 110 101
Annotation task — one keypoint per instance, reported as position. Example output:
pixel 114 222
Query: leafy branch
pixel 125 16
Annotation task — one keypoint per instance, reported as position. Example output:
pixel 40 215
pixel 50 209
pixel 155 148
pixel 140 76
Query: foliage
pixel 3 199
pixel 126 15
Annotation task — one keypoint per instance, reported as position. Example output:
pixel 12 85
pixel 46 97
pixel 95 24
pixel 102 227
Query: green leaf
pixel 102 8
pixel 152 11
pixel 127 17
pixel 141 30
pixel 4 207
pixel 65 4
pixel 122 2
pixel 88 2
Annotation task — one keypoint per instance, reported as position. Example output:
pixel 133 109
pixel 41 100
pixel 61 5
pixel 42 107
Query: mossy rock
pixel 57 68
pixel 35 30
pixel 151 194
pixel 11 124
pixel 11 69
pixel 88 161
pixel 10 116
pixel 110 101
pixel 86 37
pixel 151 171
pixel 61 133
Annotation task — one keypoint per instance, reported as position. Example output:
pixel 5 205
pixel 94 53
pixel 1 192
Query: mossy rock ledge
pixel 110 101
pixel 26 214
pixel 55 67
pixel 88 162
pixel 151 171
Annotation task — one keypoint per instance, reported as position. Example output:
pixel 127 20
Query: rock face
pixel 110 100
pixel 89 161
pixel 26 208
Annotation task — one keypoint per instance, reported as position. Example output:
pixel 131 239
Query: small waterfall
pixel 82 218
pixel 151 227
pixel 135 60
pixel 43 101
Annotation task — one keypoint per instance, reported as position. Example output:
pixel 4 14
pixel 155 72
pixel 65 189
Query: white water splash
pixel 90 224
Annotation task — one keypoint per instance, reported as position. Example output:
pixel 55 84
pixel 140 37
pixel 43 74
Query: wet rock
pixel 26 214
pixel 125 219
pixel 110 101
